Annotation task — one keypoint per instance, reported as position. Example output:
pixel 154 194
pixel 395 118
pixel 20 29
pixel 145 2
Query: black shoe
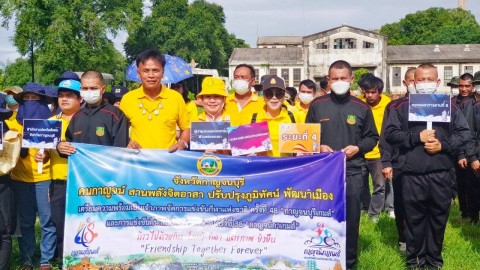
pixel 474 218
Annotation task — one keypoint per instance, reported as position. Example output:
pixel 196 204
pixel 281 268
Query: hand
pixel 476 167
pixel 180 145
pixel 426 134
pixel 210 151
pixel 325 148
pixel 433 146
pixel 350 151
pixel 65 148
pixel 387 173
pixel 462 163
pixel 42 157
pixel 134 145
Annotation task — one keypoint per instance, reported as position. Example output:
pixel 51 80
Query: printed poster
pixel 429 108
pixel 39 133
pixel 299 138
pixel 249 139
pixel 209 136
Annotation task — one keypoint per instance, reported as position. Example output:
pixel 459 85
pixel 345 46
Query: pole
pixel 32 59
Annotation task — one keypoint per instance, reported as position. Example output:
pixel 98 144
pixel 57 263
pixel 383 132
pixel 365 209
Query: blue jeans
pixel 32 198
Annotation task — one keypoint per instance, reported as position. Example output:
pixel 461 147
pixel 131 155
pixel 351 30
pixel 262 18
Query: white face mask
pixel 91 96
pixel 426 88
pixel 305 98
pixel 340 87
pixel 455 91
pixel 411 89
pixel 477 88
pixel 240 86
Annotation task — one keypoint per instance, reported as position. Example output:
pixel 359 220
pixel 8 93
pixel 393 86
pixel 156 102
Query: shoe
pixel 25 267
pixel 45 267
pixel 374 219
pixel 402 247
pixel 391 214
pixel 466 215
pixel 474 217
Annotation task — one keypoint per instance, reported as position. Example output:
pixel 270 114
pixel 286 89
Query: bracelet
pixel 184 143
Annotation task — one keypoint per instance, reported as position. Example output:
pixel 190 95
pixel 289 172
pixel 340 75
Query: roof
pixel 279 40
pixel 339 28
pixel 406 54
pixel 289 55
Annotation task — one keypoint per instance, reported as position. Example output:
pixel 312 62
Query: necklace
pixel 154 111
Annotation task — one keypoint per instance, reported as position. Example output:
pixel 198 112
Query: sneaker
pixel 402 247
pixel 391 214
pixel 374 219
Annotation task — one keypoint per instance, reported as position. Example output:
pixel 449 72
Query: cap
pixel 119 91
pixel 273 81
pixel 454 81
pixel 476 78
pixel 67 75
pixel 13 90
pixel 109 97
pixel 213 86
pixel 71 85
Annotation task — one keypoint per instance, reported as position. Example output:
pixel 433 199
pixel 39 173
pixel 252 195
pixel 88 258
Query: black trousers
pixel 399 209
pixel 58 192
pixel 427 200
pixel 5 251
pixel 354 188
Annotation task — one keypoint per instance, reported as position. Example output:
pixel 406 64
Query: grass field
pixel 378 244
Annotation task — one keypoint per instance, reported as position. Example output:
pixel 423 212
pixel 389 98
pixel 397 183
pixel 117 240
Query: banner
pixel 249 139
pixel 299 138
pixel 151 209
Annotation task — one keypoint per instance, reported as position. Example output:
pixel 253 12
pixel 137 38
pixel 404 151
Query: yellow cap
pixel 213 86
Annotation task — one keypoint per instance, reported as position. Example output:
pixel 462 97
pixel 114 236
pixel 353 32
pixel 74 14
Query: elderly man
pixel 347 126
pixel 428 177
pixel 153 110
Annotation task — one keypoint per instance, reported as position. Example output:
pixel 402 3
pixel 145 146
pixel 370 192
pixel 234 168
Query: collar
pixel 161 95
pixel 231 98
pixel 340 99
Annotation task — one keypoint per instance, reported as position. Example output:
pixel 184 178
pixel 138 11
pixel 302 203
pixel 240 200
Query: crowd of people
pixel 415 171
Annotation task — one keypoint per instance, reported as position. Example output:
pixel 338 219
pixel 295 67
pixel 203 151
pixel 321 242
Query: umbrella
pixel 176 69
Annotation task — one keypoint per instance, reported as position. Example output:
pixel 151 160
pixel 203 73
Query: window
pixel 367 45
pixel 322 46
pixel 297 76
pixel 257 75
pixel 345 43
pixel 396 76
pixel 286 75
pixel 272 71
pixel 447 74
pixel 469 69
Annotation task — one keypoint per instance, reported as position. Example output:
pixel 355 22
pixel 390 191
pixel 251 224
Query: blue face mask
pixel 33 109
pixel 10 100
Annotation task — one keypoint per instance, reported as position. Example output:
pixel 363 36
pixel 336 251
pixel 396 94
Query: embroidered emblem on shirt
pixel 351 119
pixel 100 131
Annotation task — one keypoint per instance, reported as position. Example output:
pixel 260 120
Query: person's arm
pixel 369 134
pixel 120 131
pixel 182 143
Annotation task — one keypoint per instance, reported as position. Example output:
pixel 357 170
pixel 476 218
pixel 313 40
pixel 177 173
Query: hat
pixel 273 81
pixel 213 86
pixel 259 87
pixel 476 78
pixel 454 81
pixel 51 91
pixel 71 85
pixel 67 75
pixel 31 87
pixel 13 90
pixel 119 91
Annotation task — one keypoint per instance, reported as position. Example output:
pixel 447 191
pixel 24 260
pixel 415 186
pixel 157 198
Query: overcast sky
pixel 248 19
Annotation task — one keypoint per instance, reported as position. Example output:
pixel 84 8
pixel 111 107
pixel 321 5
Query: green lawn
pixel 378 244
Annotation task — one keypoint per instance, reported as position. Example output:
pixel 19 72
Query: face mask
pixel 426 88
pixel 33 109
pixel 10 100
pixel 411 89
pixel 305 98
pixel 455 91
pixel 240 86
pixel 477 88
pixel 340 87
pixel 91 96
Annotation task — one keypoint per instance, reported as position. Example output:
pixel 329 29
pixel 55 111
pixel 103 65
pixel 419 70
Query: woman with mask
pixel 30 187
pixel 274 112
pixel 307 91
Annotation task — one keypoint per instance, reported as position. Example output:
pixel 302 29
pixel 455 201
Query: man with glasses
pixel 347 126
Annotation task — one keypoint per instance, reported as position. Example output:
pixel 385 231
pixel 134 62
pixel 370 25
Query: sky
pixel 248 19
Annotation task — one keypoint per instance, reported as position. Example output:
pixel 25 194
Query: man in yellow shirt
pixel 243 102
pixel 372 88
pixel 307 90
pixel 153 110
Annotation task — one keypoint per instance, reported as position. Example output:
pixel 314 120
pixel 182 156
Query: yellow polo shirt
pixel 150 130
pixel 254 105
pixel 12 122
pixel 58 164
pixel 273 128
pixel 378 112
pixel 225 117
pixel 192 111
pixel 302 113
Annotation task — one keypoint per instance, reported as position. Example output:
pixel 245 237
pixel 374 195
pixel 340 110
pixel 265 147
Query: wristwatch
pixel 184 143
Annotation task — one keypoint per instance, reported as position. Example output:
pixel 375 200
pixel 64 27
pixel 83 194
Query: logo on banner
pixel 86 233
pixel 100 131
pixel 351 119
pixel 323 243
pixel 209 165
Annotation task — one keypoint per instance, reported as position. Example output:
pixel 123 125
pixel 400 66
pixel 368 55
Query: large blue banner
pixel 151 209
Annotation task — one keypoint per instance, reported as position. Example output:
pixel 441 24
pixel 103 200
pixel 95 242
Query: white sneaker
pixel 391 214
pixel 402 246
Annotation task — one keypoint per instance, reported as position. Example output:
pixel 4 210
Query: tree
pixel 71 35
pixel 434 26
pixel 17 73
pixel 191 31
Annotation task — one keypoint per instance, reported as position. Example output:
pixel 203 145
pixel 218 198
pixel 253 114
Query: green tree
pixel 358 74
pixel 71 35
pixel 192 31
pixel 434 26
pixel 17 73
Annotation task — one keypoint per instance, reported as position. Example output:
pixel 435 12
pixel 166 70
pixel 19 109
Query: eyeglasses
pixel 279 94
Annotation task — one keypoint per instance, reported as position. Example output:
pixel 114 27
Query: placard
pixel 249 139
pixel 1 136
pixel 429 108
pixel 41 133
pixel 209 136
pixel 299 138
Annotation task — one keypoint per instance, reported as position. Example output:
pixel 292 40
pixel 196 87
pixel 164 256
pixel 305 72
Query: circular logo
pixel 209 165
